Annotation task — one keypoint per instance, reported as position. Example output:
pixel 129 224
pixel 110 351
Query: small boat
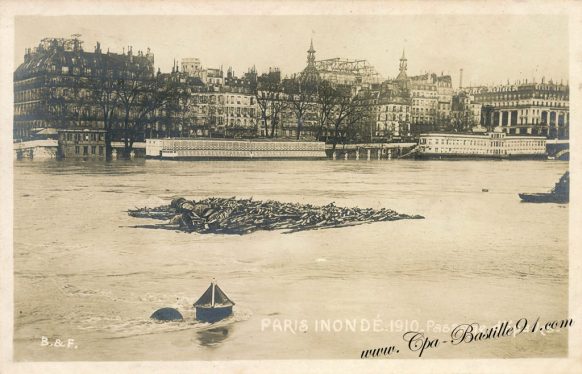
pixel 560 194
pixel 544 198
pixel 213 305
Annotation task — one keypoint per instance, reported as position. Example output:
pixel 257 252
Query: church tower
pixel 311 55
pixel 310 75
pixel 403 65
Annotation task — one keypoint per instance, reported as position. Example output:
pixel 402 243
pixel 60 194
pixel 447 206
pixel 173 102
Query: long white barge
pixel 496 145
pixel 211 149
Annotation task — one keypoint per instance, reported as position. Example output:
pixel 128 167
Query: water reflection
pixel 213 337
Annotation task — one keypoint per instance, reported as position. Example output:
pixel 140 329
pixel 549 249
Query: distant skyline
pixel 490 49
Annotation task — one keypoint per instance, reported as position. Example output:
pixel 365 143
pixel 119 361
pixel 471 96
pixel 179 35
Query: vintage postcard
pixel 307 187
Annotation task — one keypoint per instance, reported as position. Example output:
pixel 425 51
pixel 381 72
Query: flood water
pixel 82 272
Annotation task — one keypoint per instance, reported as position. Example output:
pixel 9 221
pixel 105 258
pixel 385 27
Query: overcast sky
pixel 490 49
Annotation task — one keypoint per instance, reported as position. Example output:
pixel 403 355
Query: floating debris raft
pixel 243 216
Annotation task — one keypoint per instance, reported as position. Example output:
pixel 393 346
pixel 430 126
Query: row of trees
pixel 339 110
pixel 129 102
pixel 125 102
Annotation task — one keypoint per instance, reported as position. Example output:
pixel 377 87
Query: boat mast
pixel 213 287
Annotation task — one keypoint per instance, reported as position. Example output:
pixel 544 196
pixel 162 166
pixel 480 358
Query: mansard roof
pixel 42 61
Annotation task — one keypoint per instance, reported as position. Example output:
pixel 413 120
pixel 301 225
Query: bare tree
pixel 130 91
pixel 182 102
pixel 300 103
pixel 66 106
pixel 349 112
pixel 271 100
pixel 356 123
pixel 56 107
pixel 340 113
pixel 168 101
pixel 102 90
pixel 327 98
pixel 264 98
pixel 277 105
pixel 140 97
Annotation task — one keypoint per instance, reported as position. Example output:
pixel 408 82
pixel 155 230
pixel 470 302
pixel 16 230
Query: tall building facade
pixel 228 112
pixel 219 106
pixel 444 85
pixel 209 76
pixel 391 112
pixel 528 108
pixel 52 86
pixel 432 101
pixel 425 100
pixel 465 112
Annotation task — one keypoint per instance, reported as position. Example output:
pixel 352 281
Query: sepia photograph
pixel 361 187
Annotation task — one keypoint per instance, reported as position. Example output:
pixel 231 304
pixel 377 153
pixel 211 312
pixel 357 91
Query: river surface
pixel 82 272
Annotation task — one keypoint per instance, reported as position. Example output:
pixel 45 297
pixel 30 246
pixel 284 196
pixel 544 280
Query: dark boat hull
pixel 211 315
pixel 543 198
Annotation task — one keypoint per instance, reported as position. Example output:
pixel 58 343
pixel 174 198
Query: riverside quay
pixel 61 87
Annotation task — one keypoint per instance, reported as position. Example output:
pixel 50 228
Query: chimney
pixel 150 56
pixel 461 79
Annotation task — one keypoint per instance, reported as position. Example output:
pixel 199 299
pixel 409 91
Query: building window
pixel 77 150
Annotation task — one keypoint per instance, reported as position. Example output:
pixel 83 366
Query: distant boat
pixel 213 305
pixel 560 194
pixel 543 198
